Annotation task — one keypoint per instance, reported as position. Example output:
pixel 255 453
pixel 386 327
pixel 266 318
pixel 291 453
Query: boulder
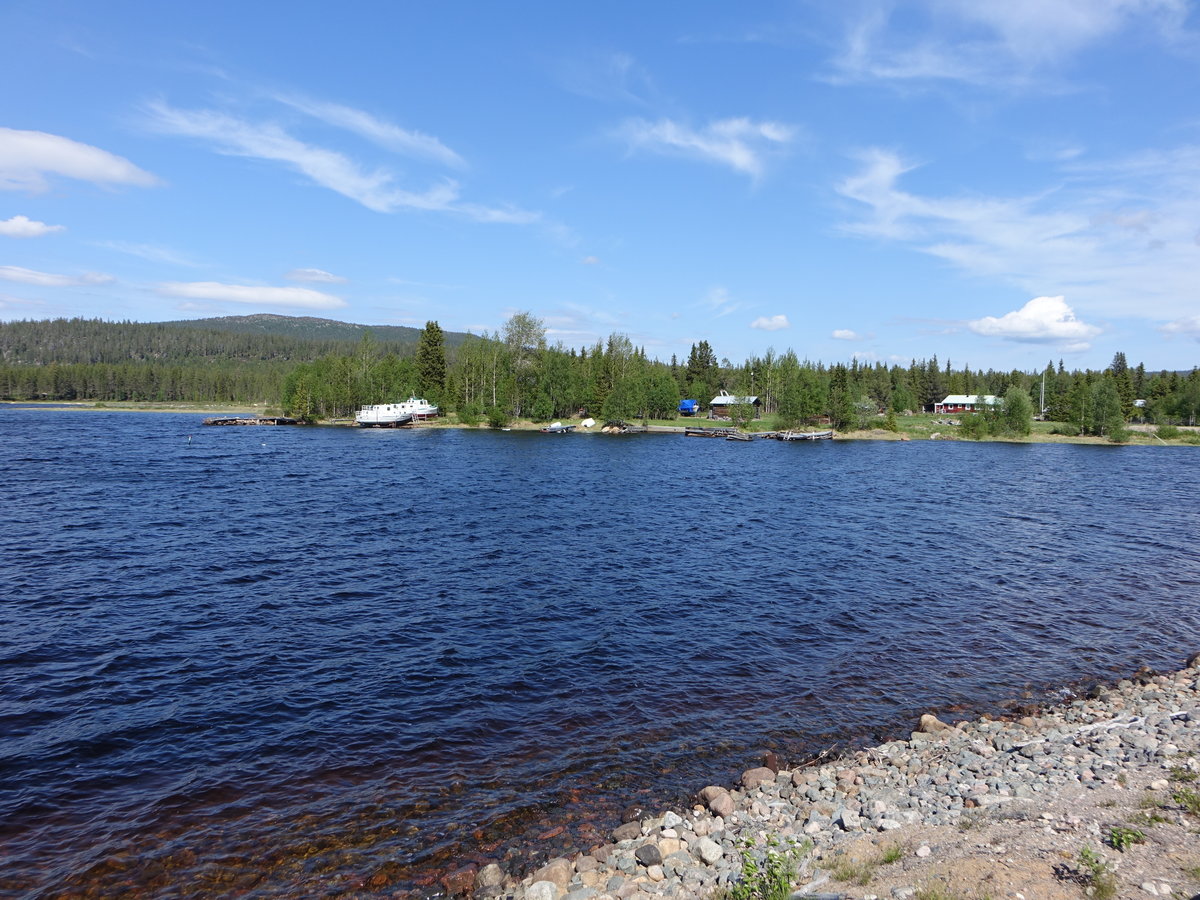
pixel 489 876
pixel 557 871
pixel 627 832
pixel 460 881
pixel 752 778
pixel 542 890
pixel 648 855
pixel 721 805
pixel 709 851
pixel 931 724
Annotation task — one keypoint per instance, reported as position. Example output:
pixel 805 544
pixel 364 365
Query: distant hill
pixel 312 328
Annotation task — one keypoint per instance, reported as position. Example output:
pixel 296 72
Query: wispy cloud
pixel 48 279
pixel 771 323
pixel 608 77
pixel 1015 44
pixel 741 144
pixel 151 252
pixel 1116 237
pixel 374 189
pixel 845 334
pixel 255 295
pixel 315 276
pixel 1043 320
pixel 27 158
pixel 384 133
pixel 721 304
pixel 24 227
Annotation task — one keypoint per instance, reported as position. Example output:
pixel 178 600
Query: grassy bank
pixel 921 427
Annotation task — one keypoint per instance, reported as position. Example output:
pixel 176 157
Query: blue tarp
pixel 689 407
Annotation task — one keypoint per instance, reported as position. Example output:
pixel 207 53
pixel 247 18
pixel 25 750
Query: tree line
pixel 516 373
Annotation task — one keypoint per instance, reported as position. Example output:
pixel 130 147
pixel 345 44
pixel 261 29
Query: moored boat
pixel 392 415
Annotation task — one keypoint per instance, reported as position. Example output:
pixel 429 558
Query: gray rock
pixel 542 890
pixel 648 855
pixel 708 850
pixel 752 778
pixel 489 876
pixel 627 832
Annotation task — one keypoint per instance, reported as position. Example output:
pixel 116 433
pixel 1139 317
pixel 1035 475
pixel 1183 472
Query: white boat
pixel 392 415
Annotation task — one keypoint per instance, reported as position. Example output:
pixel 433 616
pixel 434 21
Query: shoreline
pixel 1091 796
pixel 1140 435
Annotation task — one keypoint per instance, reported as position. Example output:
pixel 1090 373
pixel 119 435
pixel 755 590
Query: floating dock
pixel 252 420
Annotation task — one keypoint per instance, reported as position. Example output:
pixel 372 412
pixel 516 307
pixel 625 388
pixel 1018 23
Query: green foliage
pixel 471 414
pixel 1188 799
pixel 890 423
pixel 431 363
pixel 1106 414
pixel 891 854
pixel 1016 413
pixel 1179 773
pixel 1167 432
pixel 742 414
pixel 1070 429
pixel 1101 880
pixel 973 426
pixel 854 871
pixel 497 417
pixel 767 874
pixel 1122 838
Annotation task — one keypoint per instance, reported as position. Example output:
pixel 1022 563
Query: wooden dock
pixel 804 435
pixel 251 420
pixel 699 431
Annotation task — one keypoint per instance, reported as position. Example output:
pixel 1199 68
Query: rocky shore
pixel 1099 796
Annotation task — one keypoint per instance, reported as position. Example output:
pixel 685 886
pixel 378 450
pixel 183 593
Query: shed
pixel 960 403
pixel 719 406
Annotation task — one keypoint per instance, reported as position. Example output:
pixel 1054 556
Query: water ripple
pixel 280 662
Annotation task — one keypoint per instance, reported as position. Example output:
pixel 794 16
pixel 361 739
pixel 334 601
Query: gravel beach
pixel 1098 796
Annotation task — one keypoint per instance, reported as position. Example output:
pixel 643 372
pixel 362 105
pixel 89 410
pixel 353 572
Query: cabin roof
pixel 960 399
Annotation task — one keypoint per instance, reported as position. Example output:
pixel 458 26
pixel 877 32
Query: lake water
pixel 294 661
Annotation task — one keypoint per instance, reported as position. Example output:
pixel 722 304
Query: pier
pixel 252 420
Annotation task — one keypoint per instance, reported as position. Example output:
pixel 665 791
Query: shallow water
pixel 280 661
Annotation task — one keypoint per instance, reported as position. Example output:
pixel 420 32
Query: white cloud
pixel 845 334
pixel 314 275
pixel 771 323
pixel 1189 326
pixel 24 227
pixel 393 137
pixel 1018 43
pixel 47 279
pixel 28 157
pixel 1043 320
pixel 1117 237
pixel 590 260
pixel 738 143
pixel 304 298
pixel 375 189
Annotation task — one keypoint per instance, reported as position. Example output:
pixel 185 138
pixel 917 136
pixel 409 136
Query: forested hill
pixel 232 338
pixel 313 329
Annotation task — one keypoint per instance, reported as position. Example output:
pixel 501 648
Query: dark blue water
pixel 298 661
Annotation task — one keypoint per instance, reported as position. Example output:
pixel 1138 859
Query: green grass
pixel 1188 799
pixel 1102 881
pixel 1122 838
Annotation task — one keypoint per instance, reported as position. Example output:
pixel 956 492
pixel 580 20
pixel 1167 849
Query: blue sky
pixel 997 183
